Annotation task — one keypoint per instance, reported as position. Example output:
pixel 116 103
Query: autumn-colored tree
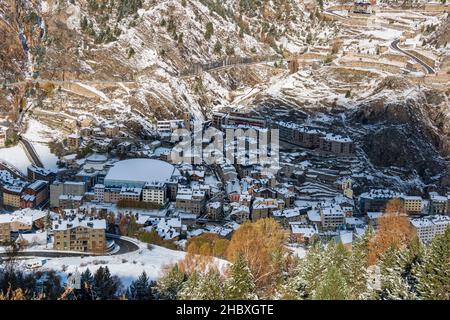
pixel 208 244
pixel 260 244
pixel 394 229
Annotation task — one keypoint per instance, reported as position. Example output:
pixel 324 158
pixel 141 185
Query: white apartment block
pixel 429 227
pixel 155 193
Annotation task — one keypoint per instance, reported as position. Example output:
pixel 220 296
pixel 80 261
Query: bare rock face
pixel 405 127
pixel 402 146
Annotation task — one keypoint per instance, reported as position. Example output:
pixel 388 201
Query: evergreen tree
pixel 393 284
pixel 240 285
pixel 105 286
pixel 190 289
pixel 87 282
pixel 141 289
pixel 211 286
pixel 171 284
pixel 433 274
pixel 332 286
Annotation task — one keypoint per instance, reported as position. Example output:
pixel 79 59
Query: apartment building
pixel 35 195
pixel 77 234
pixel 336 144
pixel 37 173
pixel 155 192
pixel 438 203
pixel 413 204
pixel 12 196
pixel 5 228
pixel 264 208
pixel 214 210
pixel 332 217
pixel 189 200
pixel 68 188
pixel 375 200
pixel 429 227
pixel 73 141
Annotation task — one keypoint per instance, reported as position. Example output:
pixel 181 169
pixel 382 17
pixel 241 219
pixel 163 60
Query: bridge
pixel 30 152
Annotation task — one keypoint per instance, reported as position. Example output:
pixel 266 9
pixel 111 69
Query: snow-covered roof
pixel 140 170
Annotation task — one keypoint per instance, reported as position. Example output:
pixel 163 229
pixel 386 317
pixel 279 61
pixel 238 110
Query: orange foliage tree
pixel 394 229
pixel 208 244
pixel 261 244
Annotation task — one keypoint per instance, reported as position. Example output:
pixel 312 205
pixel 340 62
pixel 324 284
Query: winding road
pixel 126 246
pixel 394 46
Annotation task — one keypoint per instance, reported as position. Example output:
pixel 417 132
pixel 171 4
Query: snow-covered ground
pixel 127 267
pixel 39 135
pixel 15 156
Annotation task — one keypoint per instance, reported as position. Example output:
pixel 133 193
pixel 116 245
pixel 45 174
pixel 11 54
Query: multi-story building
pixel 73 141
pixel 5 228
pixel 68 201
pixel 35 195
pixel 155 192
pixel 438 203
pixel 111 194
pixel 130 194
pixel 68 188
pixel 336 144
pixel 429 227
pixel 189 200
pixel 99 191
pixel 332 217
pixel 76 234
pixel 111 131
pixel 303 136
pixel 12 196
pixel 37 173
pixel 413 204
pixel 263 208
pixel 169 126
pixel 376 199
pixel 214 210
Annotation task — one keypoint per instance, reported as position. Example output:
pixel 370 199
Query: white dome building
pixel 135 173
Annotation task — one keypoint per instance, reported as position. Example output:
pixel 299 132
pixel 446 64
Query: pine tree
pixel 105 286
pixel 211 286
pixel 141 289
pixel 433 274
pixel 332 286
pixel 240 285
pixel 394 286
pixel 86 282
pixel 312 268
pixel 171 283
pixel 190 289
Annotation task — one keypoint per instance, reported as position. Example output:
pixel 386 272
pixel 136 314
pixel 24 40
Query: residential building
pixel 37 173
pixel 376 199
pixel 336 144
pixel 413 204
pixel 73 141
pixel 263 208
pixel 35 195
pixel 438 203
pixel 429 227
pixel 189 200
pixel 155 192
pixel 5 228
pixel 76 234
pixel 12 196
pixel 332 217
pixel 214 210
pixel 68 188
